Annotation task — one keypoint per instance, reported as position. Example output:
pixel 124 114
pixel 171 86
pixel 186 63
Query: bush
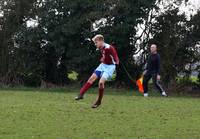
pixel 73 76
pixel 32 80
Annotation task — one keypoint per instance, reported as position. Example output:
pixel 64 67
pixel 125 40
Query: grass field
pixel 53 114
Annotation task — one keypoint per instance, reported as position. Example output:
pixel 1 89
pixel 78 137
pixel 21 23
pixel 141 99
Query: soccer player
pixel 153 71
pixel 104 71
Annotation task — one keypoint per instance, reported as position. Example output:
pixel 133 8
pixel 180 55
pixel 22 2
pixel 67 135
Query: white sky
pixel 191 7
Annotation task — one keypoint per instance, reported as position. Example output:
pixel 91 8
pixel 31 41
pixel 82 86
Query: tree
pixel 63 28
pixel 59 40
pixel 13 16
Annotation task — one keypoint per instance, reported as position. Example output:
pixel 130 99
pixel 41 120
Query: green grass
pixel 53 114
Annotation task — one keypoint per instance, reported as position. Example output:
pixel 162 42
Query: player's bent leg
pixel 87 86
pixel 101 93
pixel 158 86
pixel 93 78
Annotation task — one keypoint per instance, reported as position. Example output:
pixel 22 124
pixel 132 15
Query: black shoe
pixel 79 97
pixel 96 105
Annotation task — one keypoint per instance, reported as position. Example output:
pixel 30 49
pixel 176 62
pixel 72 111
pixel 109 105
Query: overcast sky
pixel 189 8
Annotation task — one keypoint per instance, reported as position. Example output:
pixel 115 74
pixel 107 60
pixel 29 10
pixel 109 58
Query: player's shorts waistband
pixel 108 63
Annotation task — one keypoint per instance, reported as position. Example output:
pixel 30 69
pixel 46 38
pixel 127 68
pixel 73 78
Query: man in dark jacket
pixel 153 71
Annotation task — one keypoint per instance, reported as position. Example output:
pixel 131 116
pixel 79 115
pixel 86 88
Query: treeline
pixel 44 40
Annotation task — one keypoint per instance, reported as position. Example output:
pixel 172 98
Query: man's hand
pixel 145 72
pixel 158 77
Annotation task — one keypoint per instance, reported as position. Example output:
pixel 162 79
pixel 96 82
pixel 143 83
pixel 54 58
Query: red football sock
pixel 85 88
pixel 101 93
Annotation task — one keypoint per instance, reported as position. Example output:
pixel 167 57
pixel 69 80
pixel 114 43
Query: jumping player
pixel 104 71
pixel 153 71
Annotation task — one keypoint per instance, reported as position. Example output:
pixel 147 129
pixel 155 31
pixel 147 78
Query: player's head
pixel 153 48
pixel 98 40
